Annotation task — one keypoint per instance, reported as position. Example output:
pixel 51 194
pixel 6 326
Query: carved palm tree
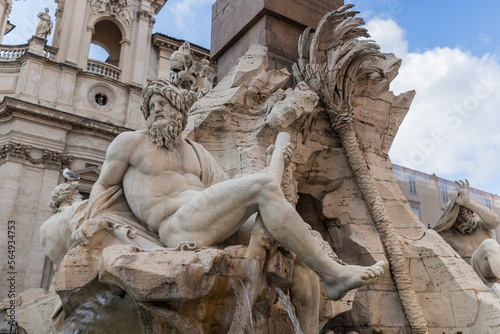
pixel 331 61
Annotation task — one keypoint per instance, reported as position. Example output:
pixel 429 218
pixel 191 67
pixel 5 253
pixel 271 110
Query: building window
pixel 106 42
pixel 488 203
pixel 444 194
pixel 416 211
pixel 412 184
pixel 101 99
pixel 87 165
pixel 415 207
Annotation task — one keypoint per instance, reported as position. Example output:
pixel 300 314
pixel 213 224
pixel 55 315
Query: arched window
pixel 107 36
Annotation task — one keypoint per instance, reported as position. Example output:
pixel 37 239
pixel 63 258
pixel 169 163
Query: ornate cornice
pixel 60 8
pixel 145 15
pixel 59 12
pixel 20 152
pixel 161 41
pixel 157 5
pixel 12 106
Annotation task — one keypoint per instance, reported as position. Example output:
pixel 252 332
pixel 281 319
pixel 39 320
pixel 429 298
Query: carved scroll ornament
pixel 23 152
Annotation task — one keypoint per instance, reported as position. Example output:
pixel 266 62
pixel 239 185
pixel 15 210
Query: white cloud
pixel 388 35
pixel 188 14
pixel 453 126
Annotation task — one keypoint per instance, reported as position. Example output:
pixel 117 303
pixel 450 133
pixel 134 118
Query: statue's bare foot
pixel 352 277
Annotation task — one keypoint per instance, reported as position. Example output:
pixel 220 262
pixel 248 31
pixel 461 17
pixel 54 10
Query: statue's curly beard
pixel 466 222
pixel 165 130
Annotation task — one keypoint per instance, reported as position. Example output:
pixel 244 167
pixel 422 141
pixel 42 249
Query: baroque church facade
pixel 60 108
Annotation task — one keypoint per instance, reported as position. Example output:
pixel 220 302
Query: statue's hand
pixel 288 154
pixel 85 232
pixel 270 151
pixel 463 192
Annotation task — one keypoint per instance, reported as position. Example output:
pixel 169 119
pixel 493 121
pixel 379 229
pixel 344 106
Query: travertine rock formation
pixel 431 283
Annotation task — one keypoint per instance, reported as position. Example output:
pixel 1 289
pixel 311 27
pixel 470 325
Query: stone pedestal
pixel 237 24
pixel 36 45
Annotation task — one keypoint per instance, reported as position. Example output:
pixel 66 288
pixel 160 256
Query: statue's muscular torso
pixel 466 244
pixel 157 182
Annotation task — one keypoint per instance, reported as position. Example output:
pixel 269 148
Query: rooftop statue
pixel 44 27
pixel 468 227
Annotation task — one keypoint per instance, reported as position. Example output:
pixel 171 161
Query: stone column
pixel 5 9
pixel 164 53
pixel 72 32
pixel 141 47
pixel 125 59
pixel 58 18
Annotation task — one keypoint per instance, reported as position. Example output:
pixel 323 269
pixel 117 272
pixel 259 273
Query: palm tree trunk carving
pixel 331 61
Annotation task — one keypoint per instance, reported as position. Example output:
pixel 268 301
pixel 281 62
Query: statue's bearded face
pixel 165 122
pixel 466 222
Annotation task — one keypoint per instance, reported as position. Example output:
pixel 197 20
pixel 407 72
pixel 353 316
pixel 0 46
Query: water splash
pixel 290 310
pixel 104 312
pixel 242 298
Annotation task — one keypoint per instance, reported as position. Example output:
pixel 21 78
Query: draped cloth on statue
pixel 450 215
pixel 112 208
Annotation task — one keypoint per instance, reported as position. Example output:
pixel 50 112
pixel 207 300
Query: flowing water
pixel 290 310
pixel 104 313
pixel 242 298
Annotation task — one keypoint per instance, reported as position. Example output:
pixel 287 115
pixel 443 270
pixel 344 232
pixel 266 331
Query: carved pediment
pixel 90 174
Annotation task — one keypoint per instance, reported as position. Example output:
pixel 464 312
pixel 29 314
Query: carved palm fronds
pixel 332 61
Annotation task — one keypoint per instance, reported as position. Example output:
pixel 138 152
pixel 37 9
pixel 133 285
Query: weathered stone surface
pixel 487 320
pixel 163 275
pixel 77 269
pixel 170 287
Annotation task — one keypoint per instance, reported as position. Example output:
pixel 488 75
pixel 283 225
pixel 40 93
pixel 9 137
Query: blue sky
pixel 450 52
pixel 470 25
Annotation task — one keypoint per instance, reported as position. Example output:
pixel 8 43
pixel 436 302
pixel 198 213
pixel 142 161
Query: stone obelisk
pixel 277 24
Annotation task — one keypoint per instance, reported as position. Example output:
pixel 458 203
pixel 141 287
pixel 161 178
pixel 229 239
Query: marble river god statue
pixel 162 173
pixel 468 227
pixel 156 185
